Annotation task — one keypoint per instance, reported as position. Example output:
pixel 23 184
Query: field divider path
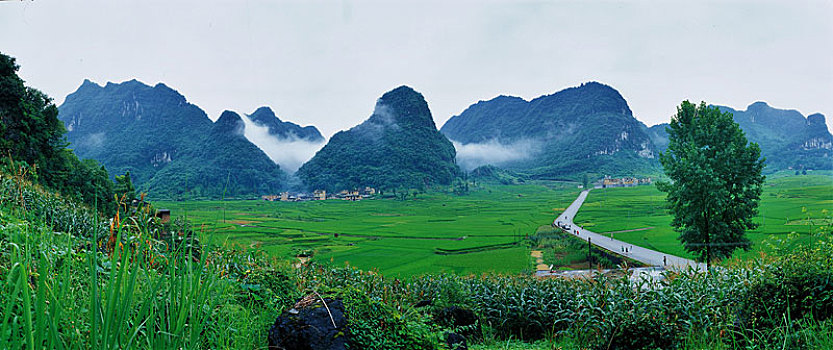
pixel 643 255
pixel 361 235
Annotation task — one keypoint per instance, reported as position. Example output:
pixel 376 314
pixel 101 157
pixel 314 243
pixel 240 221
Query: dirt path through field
pixel 539 260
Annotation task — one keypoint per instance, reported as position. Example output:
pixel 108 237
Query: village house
pixel 270 197
pixel 624 182
pixel 352 196
pixel 320 195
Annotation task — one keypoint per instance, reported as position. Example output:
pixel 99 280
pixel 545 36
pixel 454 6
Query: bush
pixel 376 325
pixel 793 286
pixel 35 204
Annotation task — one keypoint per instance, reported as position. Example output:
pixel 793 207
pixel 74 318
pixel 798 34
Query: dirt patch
pixel 577 265
pixel 302 260
pixel 539 260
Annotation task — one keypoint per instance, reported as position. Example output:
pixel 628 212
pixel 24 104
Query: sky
pixel 326 62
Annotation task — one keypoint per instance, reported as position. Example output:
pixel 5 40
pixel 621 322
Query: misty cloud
pixel 473 155
pixel 94 141
pixel 385 114
pixel 290 153
pixel 383 117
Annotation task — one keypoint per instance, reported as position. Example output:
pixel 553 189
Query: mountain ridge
pixel 398 146
pixel 586 128
pixel 265 116
pixel 788 139
pixel 165 141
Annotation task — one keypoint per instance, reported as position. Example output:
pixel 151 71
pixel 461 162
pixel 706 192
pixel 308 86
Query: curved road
pixel 644 255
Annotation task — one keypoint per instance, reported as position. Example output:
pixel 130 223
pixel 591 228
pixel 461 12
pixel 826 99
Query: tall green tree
pixel 31 132
pixel 715 181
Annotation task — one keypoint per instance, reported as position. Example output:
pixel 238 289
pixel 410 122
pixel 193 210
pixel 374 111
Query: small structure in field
pixel 164 215
pixel 320 195
pixel 270 197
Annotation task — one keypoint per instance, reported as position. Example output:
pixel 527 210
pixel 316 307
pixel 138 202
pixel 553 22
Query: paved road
pixel 644 255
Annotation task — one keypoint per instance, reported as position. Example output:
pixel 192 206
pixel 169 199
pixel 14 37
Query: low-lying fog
pixel 290 153
pixel 473 155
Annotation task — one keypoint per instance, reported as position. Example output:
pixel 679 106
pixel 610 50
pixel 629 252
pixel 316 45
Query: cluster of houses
pixel 623 182
pixel 320 195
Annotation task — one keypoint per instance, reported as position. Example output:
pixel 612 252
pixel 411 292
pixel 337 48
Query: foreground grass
pixel 792 207
pixel 435 232
pixel 115 284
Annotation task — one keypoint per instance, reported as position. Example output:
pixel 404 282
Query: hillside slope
pixel 397 147
pixel 787 139
pixel 170 146
pixel 588 128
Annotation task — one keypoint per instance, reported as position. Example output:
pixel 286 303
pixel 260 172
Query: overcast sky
pixel 326 63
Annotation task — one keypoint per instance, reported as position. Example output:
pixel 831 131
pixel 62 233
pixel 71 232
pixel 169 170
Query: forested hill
pixel 170 146
pixel 397 147
pixel 588 128
pixel 264 116
pixel 787 138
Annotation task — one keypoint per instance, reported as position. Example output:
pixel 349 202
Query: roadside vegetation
pixel 562 251
pixel 793 210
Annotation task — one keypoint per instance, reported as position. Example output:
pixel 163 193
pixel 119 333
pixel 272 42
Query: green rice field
pixel 791 208
pixel 485 230
pixel 482 231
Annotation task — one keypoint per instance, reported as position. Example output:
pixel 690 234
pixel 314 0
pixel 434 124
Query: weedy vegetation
pixel 77 280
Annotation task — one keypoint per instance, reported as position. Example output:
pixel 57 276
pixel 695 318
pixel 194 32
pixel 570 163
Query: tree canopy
pixel 33 134
pixel 715 180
